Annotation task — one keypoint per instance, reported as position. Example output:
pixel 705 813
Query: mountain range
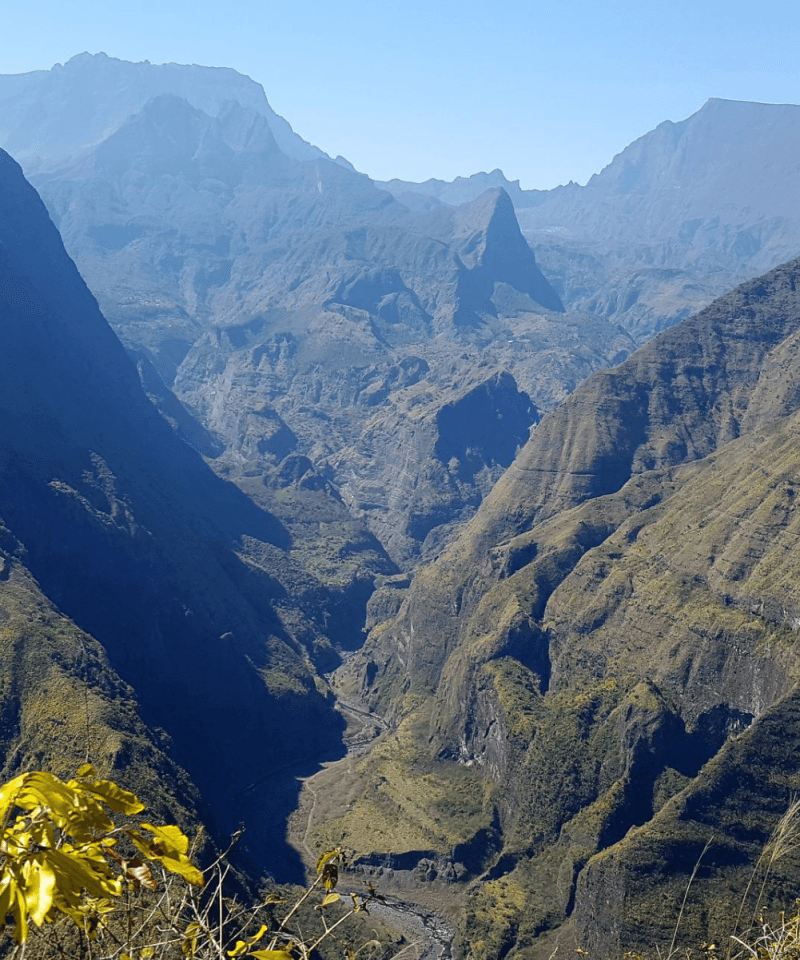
pixel 298 405
pixel 610 646
pixel 677 217
pixel 245 275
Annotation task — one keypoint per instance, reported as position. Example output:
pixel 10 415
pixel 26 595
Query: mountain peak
pixel 87 57
pixel 52 116
pixel 492 248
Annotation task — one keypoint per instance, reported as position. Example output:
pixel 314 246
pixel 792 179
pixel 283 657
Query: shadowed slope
pixel 181 578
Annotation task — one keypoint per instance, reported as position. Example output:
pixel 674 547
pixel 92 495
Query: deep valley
pixel 451 523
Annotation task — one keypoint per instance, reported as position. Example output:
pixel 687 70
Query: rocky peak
pixel 490 245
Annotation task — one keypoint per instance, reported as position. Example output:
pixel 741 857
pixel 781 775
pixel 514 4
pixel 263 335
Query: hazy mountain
pixel 675 219
pixel 715 189
pixel 431 192
pixel 48 116
pixel 608 647
pixel 291 303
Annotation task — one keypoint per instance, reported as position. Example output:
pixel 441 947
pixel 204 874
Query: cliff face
pixel 612 637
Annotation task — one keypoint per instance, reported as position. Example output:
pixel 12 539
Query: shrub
pixel 76 884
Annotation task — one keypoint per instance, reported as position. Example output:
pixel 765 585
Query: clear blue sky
pixel 548 92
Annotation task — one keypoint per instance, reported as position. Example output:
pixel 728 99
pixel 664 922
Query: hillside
pixel 142 596
pixel 609 649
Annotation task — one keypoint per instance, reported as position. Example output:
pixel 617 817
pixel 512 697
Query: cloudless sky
pixel 548 92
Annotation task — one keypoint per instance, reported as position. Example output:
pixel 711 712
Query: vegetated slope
pixel 612 644
pixel 676 218
pixel 180 591
pixel 297 309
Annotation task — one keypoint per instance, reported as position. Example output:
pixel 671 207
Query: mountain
pixel 602 665
pixel 146 603
pixel 324 386
pixel 297 310
pixel 49 116
pixel 678 217
pixel 431 192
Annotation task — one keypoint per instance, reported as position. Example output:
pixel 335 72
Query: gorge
pixel 512 473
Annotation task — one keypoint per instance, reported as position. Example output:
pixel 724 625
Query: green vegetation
pixel 397 798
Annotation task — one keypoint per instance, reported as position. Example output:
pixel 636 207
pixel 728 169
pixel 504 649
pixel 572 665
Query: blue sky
pixel 549 93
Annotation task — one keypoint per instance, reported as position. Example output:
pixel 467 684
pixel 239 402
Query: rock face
pixel 610 641
pixel 130 570
pixel 677 218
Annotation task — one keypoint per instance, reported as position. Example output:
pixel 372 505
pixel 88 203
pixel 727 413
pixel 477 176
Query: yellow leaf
pixel 190 935
pixel 40 883
pixel 168 846
pixel 184 868
pixel 331 898
pixel 8 888
pixel 114 797
pixel 271 955
pixel 71 810
pixel 9 791
pixel 74 875
pixel 20 915
pixel 171 837
pixel 238 950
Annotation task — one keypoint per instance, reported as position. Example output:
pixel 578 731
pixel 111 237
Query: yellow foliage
pixel 57 850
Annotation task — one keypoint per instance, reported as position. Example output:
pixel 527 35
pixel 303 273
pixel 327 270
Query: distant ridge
pixel 680 215
pixel 96 93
